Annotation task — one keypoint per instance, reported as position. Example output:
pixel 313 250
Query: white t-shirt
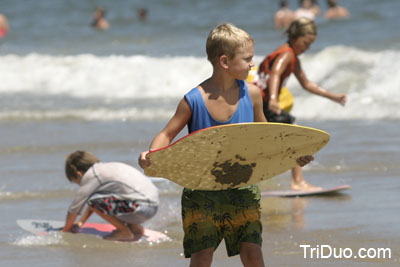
pixel 115 179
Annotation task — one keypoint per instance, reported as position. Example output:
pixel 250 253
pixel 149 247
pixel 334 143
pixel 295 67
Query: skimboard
pixel 300 193
pixel 45 227
pixel 234 155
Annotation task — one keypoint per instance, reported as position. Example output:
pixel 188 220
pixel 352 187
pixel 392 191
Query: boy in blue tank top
pixel 224 98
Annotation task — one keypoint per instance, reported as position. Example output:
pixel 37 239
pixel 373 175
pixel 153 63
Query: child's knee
pixel 202 258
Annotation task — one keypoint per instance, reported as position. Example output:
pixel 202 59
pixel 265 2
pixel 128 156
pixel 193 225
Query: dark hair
pixel 313 2
pixel 79 161
pixel 332 3
pixel 101 10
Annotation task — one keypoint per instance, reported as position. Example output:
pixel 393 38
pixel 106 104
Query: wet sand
pixel 366 216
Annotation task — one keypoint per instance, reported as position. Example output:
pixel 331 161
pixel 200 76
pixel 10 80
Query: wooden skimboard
pixel 234 155
pixel 299 193
pixel 44 227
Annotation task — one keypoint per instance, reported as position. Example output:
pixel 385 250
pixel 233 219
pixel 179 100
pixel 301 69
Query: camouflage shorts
pixel 210 216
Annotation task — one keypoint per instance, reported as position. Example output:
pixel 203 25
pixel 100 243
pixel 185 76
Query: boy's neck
pixel 221 82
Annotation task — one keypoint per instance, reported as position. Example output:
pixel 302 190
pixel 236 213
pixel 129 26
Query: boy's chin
pixel 244 77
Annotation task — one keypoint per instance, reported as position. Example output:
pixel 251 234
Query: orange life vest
pixel 264 71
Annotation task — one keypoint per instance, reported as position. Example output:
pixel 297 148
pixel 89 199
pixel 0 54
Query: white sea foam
pixel 93 114
pixel 370 80
pixel 34 240
pixel 89 87
pixel 88 76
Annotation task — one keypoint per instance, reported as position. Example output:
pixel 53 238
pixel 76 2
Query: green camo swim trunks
pixel 210 216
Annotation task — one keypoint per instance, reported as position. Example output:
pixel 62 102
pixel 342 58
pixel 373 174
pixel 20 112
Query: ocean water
pixel 65 86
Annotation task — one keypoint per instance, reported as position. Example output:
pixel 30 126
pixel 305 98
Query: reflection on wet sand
pixel 282 214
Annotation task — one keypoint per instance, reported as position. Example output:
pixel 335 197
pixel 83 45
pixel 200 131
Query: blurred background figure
pixel 315 7
pixel 284 16
pixel 305 10
pixel 335 11
pixel 4 28
pixel 308 9
pixel 142 13
pixel 99 21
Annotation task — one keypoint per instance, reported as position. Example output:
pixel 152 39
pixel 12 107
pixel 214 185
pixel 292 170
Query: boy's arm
pixel 314 88
pixel 170 131
pixel 256 98
pixel 69 221
pixel 85 217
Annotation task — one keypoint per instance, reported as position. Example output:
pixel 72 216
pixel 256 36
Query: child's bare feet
pixel 118 235
pixel 304 186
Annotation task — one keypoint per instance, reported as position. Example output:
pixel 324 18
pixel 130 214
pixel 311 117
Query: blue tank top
pixel 201 118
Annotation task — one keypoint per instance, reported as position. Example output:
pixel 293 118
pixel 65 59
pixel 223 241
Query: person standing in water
pixel 284 16
pixel 335 11
pixel 315 8
pixel 274 71
pixel 99 21
pixel 4 27
pixel 305 10
pixel 142 14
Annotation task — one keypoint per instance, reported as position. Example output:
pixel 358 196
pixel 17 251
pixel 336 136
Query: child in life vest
pixel 276 68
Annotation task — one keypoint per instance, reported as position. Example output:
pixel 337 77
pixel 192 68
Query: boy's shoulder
pixel 252 87
pixel 194 90
pixel 254 91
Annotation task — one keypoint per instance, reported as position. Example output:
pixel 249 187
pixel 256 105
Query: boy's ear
pixel 77 177
pixel 223 61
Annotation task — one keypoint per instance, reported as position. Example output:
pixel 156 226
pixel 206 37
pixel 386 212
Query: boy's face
pixel 240 65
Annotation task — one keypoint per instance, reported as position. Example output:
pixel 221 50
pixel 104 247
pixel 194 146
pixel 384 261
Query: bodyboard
pixel 45 227
pixel 234 155
pixel 300 193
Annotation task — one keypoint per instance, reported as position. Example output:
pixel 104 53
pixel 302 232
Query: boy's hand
pixel 75 228
pixel 143 161
pixel 340 98
pixel 302 161
pixel 274 106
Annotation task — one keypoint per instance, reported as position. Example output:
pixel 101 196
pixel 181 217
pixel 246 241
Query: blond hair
pixel 226 39
pixel 79 161
pixel 301 27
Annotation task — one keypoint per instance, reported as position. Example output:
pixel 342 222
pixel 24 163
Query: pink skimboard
pixel 44 227
pixel 300 193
